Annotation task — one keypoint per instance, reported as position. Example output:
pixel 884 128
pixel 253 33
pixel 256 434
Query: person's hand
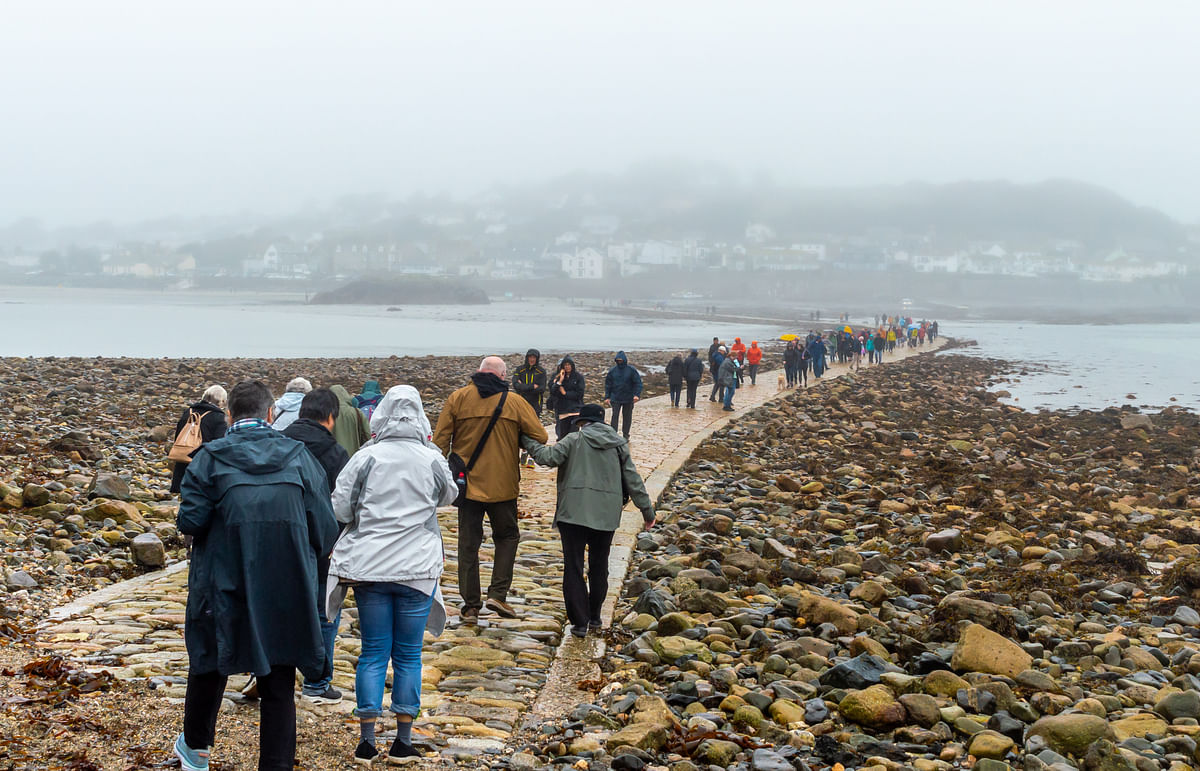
pixel 635 400
pixel 648 525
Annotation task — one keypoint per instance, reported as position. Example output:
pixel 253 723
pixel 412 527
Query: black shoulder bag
pixel 460 470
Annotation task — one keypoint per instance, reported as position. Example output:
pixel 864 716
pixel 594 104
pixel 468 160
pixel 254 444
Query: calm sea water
pixel 1069 366
pixel 1074 366
pixel 80 322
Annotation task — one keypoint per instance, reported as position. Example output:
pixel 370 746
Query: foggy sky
pixel 128 110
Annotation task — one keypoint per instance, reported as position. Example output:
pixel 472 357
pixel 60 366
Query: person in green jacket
pixel 350 426
pixel 597 474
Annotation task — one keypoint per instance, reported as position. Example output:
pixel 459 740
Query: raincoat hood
pixel 536 354
pixel 289 402
pixel 370 388
pixel 488 384
pixel 255 451
pixel 568 360
pixel 601 436
pixel 344 397
pixel 621 359
pixel 400 415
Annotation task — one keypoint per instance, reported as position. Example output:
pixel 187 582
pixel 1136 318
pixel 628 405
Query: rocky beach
pixel 898 571
pixel 893 569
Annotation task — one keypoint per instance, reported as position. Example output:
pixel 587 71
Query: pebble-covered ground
pixel 113 698
pixel 900 571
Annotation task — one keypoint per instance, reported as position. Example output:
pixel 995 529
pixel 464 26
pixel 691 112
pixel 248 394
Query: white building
pixel 931 263
pixel 661 253
pixel 585 264
pixel 758 233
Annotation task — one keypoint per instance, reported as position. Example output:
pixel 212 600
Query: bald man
pixel 493 478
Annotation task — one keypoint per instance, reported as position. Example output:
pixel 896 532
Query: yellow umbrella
pixel 847 330
pixel 788 338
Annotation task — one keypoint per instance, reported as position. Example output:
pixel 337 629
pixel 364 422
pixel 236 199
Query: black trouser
pixel 627 410
pixel 716 389
pixel 691 392
pixel 505 534
pixel 676 390
pixel 789 370
pixel 563 426
pixel 753 374
pixel 277 715
pixel 584 598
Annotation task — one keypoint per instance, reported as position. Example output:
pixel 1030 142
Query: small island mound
pixel 402 291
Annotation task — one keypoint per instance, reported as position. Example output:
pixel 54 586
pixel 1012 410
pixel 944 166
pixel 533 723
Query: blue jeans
pixel 727 397
pixel 329 635
pixel 391 620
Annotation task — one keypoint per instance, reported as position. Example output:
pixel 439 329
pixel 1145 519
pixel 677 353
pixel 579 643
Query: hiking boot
pixel 402 753
pixel 595 627
pixel 501 608
pixel 579 630
pixel 469 615
pixel 250 689
pixel 365 752
pixel 190 759
pixel 729 409
pixel 330 695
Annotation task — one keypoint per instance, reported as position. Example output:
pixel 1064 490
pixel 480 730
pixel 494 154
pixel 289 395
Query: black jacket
pixel 212 427
pixel 675 371
pixel 573 385
pixel 530 381
pixel 693 369
pixel 257 505
pixel 331 455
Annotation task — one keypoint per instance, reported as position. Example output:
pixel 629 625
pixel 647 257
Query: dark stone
pixel 654 603
pixel 859 672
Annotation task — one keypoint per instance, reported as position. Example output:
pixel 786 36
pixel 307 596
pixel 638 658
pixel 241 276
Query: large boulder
pixel 1137 726
pixel 148 550
pixel 108 485
pixel 642 736
pixel 982 650
pixel 823 610
pixel 1069 733
pixel 874 707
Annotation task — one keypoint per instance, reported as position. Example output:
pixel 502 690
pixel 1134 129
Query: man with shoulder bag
pixel 479 432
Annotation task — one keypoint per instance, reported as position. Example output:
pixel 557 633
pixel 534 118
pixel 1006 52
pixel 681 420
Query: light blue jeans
pixel 391 621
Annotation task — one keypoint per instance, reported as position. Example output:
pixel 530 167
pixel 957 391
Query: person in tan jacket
pixel 493 484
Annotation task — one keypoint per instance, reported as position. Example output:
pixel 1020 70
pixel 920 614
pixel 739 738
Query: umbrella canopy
pixel 847 329
pixel 789 337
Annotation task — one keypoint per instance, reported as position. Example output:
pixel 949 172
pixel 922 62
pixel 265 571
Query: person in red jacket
pixel 753 358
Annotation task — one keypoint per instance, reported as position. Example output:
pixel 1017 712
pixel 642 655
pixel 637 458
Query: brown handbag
pixel 188 440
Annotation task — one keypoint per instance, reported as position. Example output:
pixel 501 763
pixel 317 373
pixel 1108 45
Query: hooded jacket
pixel 622 383
pixel 465 415
pixel 257 506
pixel 369 398
pixel 675 371
pixel 754 354
pixel 388 495
pixel 693 368
pixel 529 380
pixel 596 470
pixel 573 385
pixel 212 427
pixel 350 426
pixel 727 376
pixel 321 444
pixel 738 349
pixel 287 409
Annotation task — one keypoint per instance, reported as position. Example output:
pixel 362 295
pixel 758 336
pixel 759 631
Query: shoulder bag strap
pixel 487 432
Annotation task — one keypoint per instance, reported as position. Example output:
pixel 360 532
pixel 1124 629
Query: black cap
pixel 592 413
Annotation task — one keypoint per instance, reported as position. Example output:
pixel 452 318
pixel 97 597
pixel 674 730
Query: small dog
pixel 780 382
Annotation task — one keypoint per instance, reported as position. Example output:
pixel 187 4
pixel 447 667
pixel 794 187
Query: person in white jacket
pixel 391 553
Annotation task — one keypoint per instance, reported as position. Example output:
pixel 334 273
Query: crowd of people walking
pixel 292 503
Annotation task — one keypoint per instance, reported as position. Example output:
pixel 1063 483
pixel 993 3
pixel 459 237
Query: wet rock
pixel 948 540
pixel 148 550
pixel 642 736
pixel 1178 704
pixel 990 744
pixel 859 672
pixel 873 707
pixel 1070 733
pixel 108 485
pixel 982 650
pixel 35 495
pixel 716 752
pixel 1135 421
